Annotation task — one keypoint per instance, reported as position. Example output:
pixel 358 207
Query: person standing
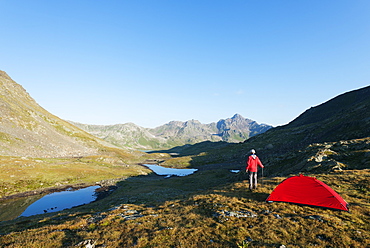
pixel 252 167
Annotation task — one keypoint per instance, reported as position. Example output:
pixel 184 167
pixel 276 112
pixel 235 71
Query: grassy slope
pixel 190 212
pixel 28 130
pixel 21 174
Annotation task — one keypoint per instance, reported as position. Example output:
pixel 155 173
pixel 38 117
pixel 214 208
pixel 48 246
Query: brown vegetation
pixel 167 213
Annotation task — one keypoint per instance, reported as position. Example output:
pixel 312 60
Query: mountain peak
pixel 192 121
pixel 237 116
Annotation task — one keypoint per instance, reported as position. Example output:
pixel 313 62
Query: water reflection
pixel 163 171
pixel 12 208
pixel 61 200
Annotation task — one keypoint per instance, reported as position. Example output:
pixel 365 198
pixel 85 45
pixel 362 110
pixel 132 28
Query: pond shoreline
pixel 105 186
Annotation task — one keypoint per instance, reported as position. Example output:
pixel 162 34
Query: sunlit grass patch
pixel 179 162
pixel 25 174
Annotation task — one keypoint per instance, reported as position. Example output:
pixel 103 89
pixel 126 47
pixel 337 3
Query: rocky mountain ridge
pixel 176 133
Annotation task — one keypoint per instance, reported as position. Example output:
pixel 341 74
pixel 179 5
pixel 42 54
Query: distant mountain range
pixel 176 133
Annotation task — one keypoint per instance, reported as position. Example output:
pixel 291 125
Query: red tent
pixel 307 191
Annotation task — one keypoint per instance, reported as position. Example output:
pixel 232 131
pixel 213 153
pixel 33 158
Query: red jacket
pixel 252 163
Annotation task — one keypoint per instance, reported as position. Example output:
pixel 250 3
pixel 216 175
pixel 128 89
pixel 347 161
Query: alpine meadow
pixel 41 153
pixel 184 124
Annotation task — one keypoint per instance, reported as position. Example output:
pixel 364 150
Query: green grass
pixel 187 212
pixel 19 175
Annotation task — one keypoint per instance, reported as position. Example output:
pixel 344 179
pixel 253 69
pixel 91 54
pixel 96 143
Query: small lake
pixel 61 200
pixel 168 172
pixel 40 204
pixel 58 201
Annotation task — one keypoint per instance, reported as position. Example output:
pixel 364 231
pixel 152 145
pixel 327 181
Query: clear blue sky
pixel 150 62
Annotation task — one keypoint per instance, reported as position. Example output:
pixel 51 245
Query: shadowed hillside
pixel 320 139
pixel 344 117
